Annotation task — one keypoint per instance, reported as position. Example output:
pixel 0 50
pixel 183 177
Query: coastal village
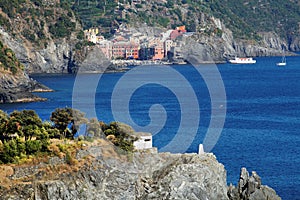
pixel 129 44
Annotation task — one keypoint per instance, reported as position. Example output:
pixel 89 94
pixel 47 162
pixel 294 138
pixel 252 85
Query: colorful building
pixel 125 50
pixel 177 32
pixel 92 35
pixel 159 52
pixel 158 46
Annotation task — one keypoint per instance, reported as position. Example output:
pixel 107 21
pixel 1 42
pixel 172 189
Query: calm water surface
pixel 261 130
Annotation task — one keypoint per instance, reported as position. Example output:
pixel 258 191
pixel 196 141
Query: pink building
pixel 158 46
pixel 177 32
pixel 125 50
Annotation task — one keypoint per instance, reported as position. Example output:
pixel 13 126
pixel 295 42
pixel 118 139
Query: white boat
pixel 283 61
pixel 237 60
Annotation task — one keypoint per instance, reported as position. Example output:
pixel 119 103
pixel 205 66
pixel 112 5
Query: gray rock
pixel 143 176
pixel 251 188
pixel 19 88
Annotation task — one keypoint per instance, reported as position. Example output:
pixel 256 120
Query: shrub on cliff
pixel 118 137
pixel 8 60
pixel 11 151
pixel 64 117
pixel 23 134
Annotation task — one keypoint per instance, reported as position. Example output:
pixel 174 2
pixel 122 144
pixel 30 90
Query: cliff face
pixel 15 85
pixel 52 59
pixel 101 173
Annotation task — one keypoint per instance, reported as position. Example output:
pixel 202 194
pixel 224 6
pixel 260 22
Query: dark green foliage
pixel 25 123
pixel 33 146
pixel 51 131
pixel 118 137
pixel 245 18
pixel 22 133
pixel 68 158
pixel 3 122
pixel 11 151
pixel 163 21
pixel 37 2
pixel 62 117
pixel 4 22
pixel 80 35
pixel 63 27
pixel 138 6
pixel 170 4
pixel 79 45
pixel 11 7
pixel 29 35
pixel 8 60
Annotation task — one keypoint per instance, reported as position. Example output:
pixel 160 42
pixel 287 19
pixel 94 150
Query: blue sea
pixel 184 105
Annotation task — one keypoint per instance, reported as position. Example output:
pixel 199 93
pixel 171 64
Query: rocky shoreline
pixel 101 173
pixel 20 88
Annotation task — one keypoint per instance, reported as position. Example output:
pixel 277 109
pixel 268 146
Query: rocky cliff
pixel 19 88
pixel 220 46
pixel 15 85
pixel 101 173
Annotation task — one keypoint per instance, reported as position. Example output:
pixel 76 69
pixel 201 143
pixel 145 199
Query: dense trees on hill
pixel 23 134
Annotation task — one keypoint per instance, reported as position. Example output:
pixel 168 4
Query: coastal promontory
pixel 101 173
pixel 47 161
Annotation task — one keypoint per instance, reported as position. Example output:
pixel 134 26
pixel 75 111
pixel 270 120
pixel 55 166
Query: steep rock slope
pixel 15 85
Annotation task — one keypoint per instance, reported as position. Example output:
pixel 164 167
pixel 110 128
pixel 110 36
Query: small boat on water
pixel 237 60
pixel 283 62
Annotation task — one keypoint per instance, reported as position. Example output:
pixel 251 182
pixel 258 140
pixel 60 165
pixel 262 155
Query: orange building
pixel 181 28
pixel 177 32
pixel 159 52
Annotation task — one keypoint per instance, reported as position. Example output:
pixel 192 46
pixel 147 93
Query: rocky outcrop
pixel 294 43
pixel 251 188
pixel 92 60
pixel 19 88
pixel 105 174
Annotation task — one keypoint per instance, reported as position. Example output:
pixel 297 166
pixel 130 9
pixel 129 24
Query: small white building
pixel 144 140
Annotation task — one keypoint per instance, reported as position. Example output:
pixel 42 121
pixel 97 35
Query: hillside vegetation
pixel 36 20
pixel 245 18
pixel 23 135
pixel 8 60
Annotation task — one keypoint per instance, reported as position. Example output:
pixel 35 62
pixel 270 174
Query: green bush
pixel 11 151
pixel 33 146
pixel 122 139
